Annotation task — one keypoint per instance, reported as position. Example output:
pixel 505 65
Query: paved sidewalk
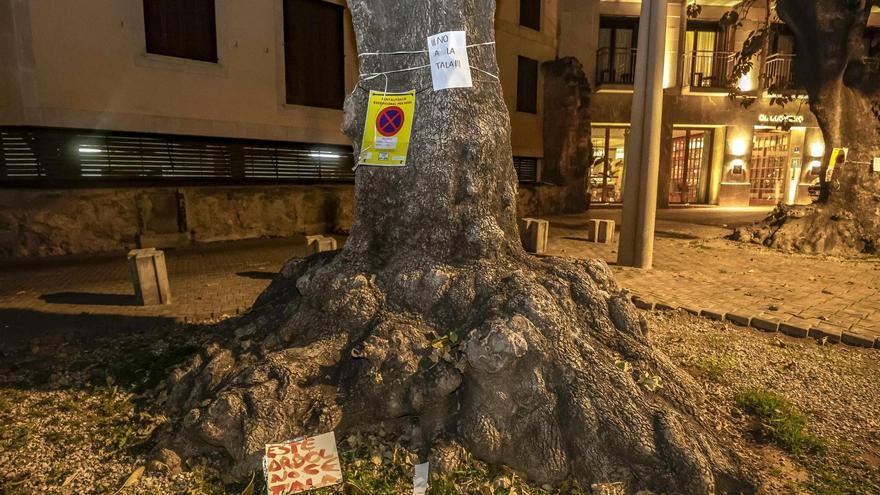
pixel 695 268
pixel 96 295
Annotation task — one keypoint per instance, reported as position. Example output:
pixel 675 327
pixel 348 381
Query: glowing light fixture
pixel 89 149
pixel 745 82
pixel 738 147
pixel 817 149
pixel 324 154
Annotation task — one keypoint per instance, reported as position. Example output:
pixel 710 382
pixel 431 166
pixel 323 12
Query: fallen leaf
pixel 249 490
pixel 132 480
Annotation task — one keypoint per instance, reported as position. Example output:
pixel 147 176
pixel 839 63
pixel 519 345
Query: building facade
pixel 163 122
pixel 713 150
pixel 157 122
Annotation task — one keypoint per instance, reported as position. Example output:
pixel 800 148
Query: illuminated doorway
pixel 768 170
pixel 606 172
pixel 690 165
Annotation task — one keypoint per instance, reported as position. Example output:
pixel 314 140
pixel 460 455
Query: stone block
pixel 534 234
pixel 642 303
pixel 149 276
pixel 601 231
pixel 764 323
pixel 858 338
pixel 692 310
pixel 738 319
pixel 712 314
pixel 319 244
pixel 821 330
pixel 795 328
pixel 666 306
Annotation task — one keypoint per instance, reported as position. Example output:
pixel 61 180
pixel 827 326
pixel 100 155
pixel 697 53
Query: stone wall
pixel 51 222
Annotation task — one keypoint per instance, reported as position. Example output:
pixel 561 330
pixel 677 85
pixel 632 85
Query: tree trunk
pixel 568 149
pixel 843 93
pixel 530 373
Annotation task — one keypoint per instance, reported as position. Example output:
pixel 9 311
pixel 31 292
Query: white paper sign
pixel 876 165
pixel 420 480
pixel 450 67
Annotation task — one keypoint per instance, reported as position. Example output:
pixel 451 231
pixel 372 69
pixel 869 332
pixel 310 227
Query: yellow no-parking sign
pixel 387 130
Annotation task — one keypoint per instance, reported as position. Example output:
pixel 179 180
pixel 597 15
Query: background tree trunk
pixel 568 150
pixel 842 93
pixel 434 322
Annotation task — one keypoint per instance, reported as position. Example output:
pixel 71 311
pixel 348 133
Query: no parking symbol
pixel 387 130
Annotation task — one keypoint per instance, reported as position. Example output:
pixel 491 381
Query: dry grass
pixel 77 417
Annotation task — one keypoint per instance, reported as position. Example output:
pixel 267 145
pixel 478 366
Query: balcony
pixel 615 66
pixel 707 70
pixel 778 75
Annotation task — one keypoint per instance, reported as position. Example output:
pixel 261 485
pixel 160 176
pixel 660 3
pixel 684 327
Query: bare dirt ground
pixel 78 415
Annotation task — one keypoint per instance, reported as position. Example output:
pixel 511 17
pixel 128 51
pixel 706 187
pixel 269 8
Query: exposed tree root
pixel 544 366
pixel 810 229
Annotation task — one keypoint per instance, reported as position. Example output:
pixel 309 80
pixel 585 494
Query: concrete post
pixel 636 246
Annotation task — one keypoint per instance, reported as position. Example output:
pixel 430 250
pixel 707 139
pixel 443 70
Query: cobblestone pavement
pixel 695 268
pixel 96 294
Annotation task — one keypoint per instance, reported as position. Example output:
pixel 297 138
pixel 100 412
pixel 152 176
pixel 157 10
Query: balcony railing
pixel 779 74
pixel 615 66
pixel 706 70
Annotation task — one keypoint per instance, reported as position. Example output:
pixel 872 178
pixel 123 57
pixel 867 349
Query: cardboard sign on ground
pixel 301 465
pixel 388 128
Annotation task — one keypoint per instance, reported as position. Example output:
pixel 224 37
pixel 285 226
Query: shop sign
pixel 780 118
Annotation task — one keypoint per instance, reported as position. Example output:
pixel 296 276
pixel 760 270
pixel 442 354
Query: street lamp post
pixel 636 245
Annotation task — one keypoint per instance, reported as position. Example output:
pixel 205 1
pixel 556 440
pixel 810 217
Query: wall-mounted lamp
pixel 738 147
pixel 814 166
pixel 817 149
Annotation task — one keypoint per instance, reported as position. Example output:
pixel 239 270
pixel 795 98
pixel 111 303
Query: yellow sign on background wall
pixel 387 130
pixel 838 158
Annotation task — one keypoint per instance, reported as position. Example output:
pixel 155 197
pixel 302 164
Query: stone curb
pixel 800 329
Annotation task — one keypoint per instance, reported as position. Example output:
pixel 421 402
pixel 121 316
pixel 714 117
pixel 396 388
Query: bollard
pixel 601 231
pixel 149 276
pixel 319 244
pixel 534 233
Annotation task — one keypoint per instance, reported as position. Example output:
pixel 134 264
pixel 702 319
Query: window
pixel 708 65
pixel 616 58
pixel 71 157
pixel 530 14
pixel 526 169
pixel 527 85
pixel 314 60
pixel 181 28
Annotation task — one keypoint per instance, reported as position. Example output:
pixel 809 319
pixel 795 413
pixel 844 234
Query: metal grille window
pixel 526 169
pixel 181 28
pixel 41 155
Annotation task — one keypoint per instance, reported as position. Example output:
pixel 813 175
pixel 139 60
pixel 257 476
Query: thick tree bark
pixel 567 146
pixel 532 374
pixel 843 93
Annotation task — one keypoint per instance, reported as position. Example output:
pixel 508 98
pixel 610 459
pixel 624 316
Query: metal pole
pixel 643 148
